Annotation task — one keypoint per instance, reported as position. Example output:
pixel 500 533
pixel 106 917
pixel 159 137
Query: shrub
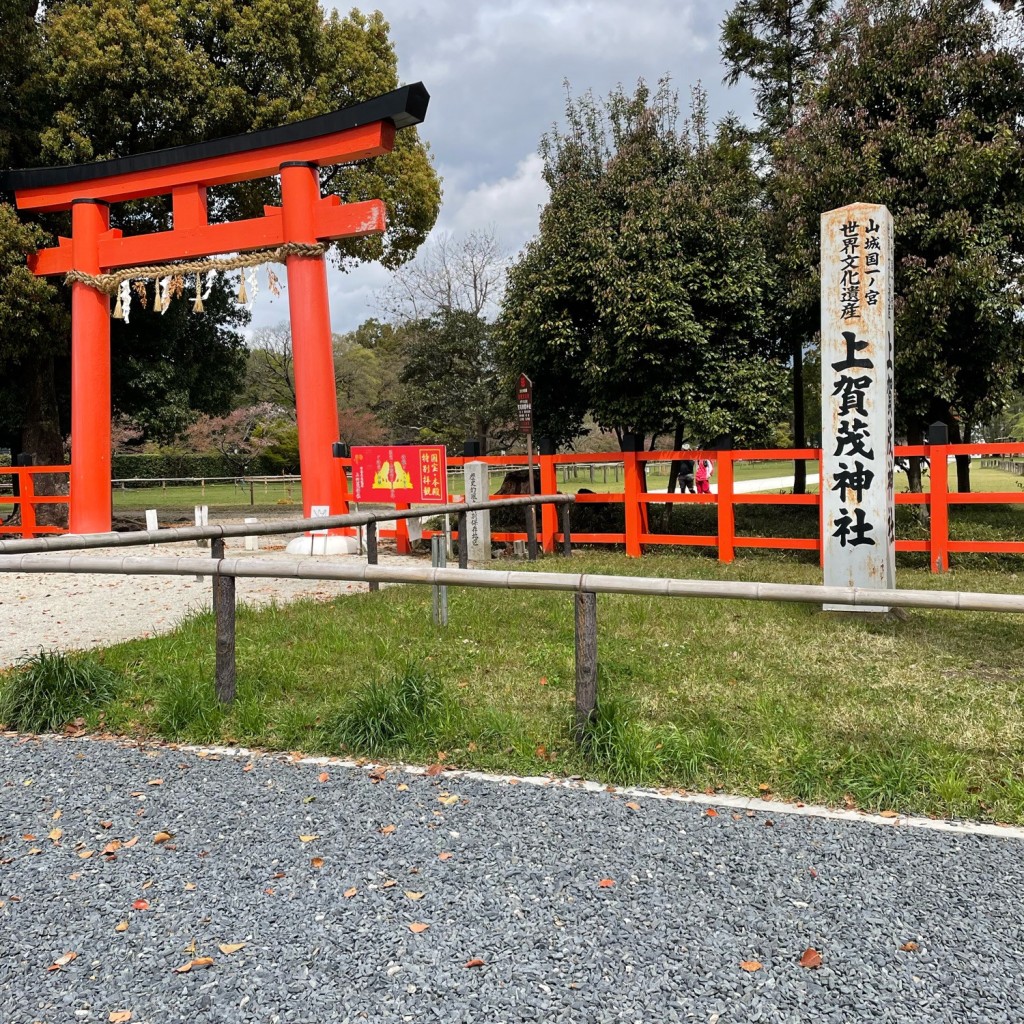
pixel 51 689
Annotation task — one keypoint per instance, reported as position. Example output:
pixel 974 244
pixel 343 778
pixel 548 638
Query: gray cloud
pixel 495 72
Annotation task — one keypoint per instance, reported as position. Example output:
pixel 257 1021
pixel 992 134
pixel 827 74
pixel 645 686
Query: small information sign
pixel 415 474
pixel 524 404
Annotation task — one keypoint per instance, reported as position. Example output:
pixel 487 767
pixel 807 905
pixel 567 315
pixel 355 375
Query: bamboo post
pixel 224 614
pixel 586 662
pixel 371 551
pixel 531 532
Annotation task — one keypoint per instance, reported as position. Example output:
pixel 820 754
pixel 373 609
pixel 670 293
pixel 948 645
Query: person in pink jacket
pixel 705 467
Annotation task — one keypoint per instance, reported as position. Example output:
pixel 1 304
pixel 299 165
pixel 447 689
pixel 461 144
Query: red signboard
pixel 524 404
pixel 411 473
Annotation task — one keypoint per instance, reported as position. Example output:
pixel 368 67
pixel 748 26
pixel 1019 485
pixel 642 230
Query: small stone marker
pixel 252 543
pixel 478 524
pixel 857 508
pixel 151 519
pixel 415 527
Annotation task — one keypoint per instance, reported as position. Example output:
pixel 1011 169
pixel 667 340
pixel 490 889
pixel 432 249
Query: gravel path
pixel 76 611
pixel 693 896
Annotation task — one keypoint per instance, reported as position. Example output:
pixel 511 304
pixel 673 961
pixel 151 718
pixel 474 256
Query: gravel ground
pixel 76 611
pixel 693 896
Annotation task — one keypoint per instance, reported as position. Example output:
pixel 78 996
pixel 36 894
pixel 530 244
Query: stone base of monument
pixel 331 544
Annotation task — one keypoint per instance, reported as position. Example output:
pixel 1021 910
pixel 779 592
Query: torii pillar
pixel 295 151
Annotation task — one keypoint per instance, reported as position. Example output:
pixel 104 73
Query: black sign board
pixel 524 404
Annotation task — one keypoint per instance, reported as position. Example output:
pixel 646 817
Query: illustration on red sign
pixel 400 473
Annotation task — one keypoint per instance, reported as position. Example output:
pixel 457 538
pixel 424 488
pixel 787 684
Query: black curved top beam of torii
pixel 351 133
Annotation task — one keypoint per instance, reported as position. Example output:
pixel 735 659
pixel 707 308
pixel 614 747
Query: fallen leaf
pixel 764 787
pixel 307 839
pixel 417 926
pixel 888 814
pixel 75 877
pixel 85 854
pixel 402 787
pixel 444 856
pixel 106 824
pixel 248 767
pixel 131 842
pixel 317 862
pixel 155 782
pixel 768 823
pixel 190 887
pixel 476 962
pixel 112 847
pixel 269 892
pixel 121 926
pixel 409 894
pixel 62 961
pixel 140 905
pixel 449 800
pixel 323 776
pixel 119 1016
pixel 203 961
pixel 908 947
pixel 163 837
pixel 148 884
pixel 633 806
pixel 812 872
pixel 55 834
pixel 388 883
pixel 29 837
pixel 349 893
pixel 378 774
pixel 56 815
pixel 606 883
pixel 711 812
pixel 434 769
pixel 810 958
pixel 228 948
pixel 751 965
pixel 34 852
pixel 386 830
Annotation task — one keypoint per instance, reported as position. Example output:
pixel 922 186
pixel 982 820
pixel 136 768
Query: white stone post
pixel 478 524
pixel 857 508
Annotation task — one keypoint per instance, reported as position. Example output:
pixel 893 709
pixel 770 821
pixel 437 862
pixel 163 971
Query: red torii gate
pixel 295 151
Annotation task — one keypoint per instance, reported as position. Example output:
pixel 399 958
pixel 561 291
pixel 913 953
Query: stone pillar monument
pixel 478 524
pixel 857 509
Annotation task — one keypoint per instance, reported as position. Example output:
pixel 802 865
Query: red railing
pixel 21 480
pixel 635 500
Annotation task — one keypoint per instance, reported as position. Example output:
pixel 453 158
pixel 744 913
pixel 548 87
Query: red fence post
pixel 548 485
pixel 631 476
pixel 402 544
pixel 938 541
pixel 726 511
pixel 28 509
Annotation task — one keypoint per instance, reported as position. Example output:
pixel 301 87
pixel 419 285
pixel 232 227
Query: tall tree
pixel 642 300
pixel 777 44
pixel 452 385
pixel 110 78
pixel 919 108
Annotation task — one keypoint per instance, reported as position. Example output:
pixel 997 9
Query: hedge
pixel 185 464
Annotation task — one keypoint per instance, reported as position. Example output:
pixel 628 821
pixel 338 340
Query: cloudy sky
pixel 495 71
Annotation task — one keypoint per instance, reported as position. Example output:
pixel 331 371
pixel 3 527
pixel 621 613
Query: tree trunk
pixel 673 476
pixel 914 436
pixel 799 427
pixel 42 439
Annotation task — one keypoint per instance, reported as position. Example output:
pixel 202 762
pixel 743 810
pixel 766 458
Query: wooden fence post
pixel 371 552
pixel 586 662
pixel 566 534
pixel 631 473
pixel 726 510
pixel 463 540
pixel 224 615
pixel 531 531
pixel 548 485
pixel 938 532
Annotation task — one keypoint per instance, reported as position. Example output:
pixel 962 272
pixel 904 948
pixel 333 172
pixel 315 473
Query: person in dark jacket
pixel 686 473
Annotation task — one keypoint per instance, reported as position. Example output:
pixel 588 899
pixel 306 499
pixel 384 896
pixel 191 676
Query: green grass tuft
pixel 411 709
pixel 51 689
pixel 187 709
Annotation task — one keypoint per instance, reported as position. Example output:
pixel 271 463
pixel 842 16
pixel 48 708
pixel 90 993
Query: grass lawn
pixel 924 715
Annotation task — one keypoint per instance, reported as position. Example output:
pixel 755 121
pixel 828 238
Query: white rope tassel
pixel 165 293
pixel 125 296
pixel 254 285
pixel 211 277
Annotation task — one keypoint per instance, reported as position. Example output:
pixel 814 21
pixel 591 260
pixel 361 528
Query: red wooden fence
pixel 26 499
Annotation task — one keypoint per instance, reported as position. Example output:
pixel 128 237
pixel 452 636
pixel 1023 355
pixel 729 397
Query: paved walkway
pixel 310 893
